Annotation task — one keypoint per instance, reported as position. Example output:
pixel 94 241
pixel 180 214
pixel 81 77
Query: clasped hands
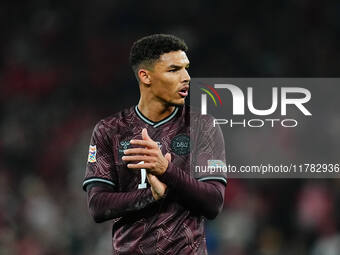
pixel 154 162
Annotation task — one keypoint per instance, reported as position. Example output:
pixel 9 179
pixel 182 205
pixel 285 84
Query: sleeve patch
pixel 216 163
pixel 92 154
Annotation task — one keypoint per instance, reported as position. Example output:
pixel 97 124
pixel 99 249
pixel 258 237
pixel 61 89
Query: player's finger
pixel 136 158
pixel 145 135
pixel 151 178
pixel 139 166
pixel 146 143
pixel 142 151
pixel 168 156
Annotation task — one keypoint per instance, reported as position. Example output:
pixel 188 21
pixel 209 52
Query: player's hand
pixel 158 188
pixel 154 161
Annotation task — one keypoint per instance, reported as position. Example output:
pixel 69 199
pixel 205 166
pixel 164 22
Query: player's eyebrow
pixel 177 66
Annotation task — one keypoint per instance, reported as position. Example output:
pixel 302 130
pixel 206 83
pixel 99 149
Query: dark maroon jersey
pixel 171 225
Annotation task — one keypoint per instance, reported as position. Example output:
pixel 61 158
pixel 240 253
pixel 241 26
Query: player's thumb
pixel 151 177
pixel 145 135
pixel 168 156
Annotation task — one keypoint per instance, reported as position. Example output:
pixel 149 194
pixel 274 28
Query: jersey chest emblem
pixel 180 144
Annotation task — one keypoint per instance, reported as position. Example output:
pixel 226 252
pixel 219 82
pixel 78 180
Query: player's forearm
pixel 105 205
pixel 206 197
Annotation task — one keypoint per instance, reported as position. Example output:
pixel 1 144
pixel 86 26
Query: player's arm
pixel 105 203
pixel 104 200
pixel 205 196
pixel 201 192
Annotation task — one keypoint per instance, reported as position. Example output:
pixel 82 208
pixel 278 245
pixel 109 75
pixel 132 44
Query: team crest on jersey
pixel 92 154
pixel 180 144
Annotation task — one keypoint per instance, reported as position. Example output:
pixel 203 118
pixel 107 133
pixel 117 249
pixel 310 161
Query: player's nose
pixel 186 77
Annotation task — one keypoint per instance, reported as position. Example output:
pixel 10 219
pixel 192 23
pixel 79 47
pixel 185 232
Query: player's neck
pixel 155 111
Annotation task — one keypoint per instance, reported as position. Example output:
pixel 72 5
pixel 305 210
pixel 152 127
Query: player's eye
pixel 173 70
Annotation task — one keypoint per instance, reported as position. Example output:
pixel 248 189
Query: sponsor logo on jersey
pixel 92 154
pixel 180 144
pixel 123 145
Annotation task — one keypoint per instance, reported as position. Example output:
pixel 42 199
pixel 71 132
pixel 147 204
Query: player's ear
pixel 144 76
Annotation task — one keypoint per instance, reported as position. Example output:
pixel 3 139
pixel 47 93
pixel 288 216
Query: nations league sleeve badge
pixel 92 154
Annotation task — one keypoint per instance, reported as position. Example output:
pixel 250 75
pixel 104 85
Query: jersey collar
pixel 158 123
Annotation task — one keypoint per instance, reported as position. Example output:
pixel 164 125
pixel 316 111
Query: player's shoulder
pixel 197 118
pixel 116 121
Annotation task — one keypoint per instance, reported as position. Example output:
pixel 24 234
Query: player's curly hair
pixel 147 50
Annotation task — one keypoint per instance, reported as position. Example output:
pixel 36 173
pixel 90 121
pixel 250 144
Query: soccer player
pixel 139 172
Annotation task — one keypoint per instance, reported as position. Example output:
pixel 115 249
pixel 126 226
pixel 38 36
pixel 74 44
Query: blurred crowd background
pixel 64 66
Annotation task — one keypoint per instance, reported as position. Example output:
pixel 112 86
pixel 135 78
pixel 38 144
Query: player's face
pixel 170 78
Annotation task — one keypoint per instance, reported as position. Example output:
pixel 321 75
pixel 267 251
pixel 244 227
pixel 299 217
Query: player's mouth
pixel 184 91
